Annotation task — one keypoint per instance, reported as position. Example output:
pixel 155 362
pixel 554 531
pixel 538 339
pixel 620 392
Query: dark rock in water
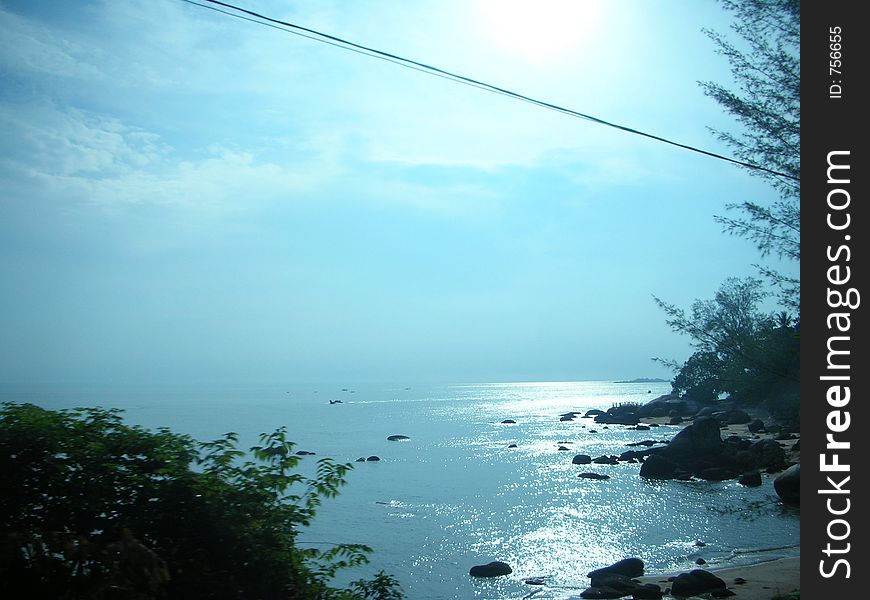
pixel 717 474
pixel 675 420
pixel 582 459
pixel 593 413
pixel 698 439
pixel 563 448
pixel 700 561
pixel 630 567
pixel 599 593
pixel 752 479
pixel 373 458
pixel 535 581
pixel 593 476
pixel 642 428
pixel 566 418
pixel 614 581
pixel 658 467
pixel 593 431
pixel 304 453
pixel 696 582
pixel 512 446
pixel 756 426
pixel 509 422
pixel 398 438
pixel 618 419
pixel 653 424
pixel 700 544
pixel 647 591
pixel 788 485
pixel 606 460
pixel 361 459
pixel 494 569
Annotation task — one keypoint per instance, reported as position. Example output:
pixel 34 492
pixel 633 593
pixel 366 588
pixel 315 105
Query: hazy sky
pixel 189 197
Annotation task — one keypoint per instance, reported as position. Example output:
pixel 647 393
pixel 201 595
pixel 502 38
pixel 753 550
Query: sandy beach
pixel 763 580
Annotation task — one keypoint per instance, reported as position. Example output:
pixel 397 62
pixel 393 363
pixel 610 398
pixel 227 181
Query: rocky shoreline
pixel 715 444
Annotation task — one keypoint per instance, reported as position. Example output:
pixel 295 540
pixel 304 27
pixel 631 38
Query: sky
pixel 188 197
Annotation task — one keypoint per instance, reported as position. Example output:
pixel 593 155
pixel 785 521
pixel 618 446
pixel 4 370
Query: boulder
pixel 606 460
pixel 707 411
pixel 593 413
pixel 647 591
pixel 618 419
pixel 738 417
pixel 717 474
pixel 696 582
pixel 373 458
pixel 593 476
pixel 788 485
pixel 600 593
pixel 701 438
pixel 494 569
pixel 657 466
pixel 767 454
pixel 675 420
pixel 361 459
pixel 566 418
pixel 582 459
pixel 512 446
pixel 630 567
pixel 752 479
pixel 614 581
pixel 756 426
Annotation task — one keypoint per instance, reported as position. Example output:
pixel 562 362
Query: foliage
pixel 97 509
pixel 766 69
pixel 740 350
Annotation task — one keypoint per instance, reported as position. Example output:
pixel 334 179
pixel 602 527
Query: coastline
pixel 764 580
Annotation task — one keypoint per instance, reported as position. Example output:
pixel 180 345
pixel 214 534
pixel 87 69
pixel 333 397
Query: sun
pixel 539 30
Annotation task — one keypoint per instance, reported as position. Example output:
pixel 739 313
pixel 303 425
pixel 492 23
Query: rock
pixel 675 420
pixel 642 428
pixel 722 593
pixel 752 479
pixel 700 544
pixel 756 426
pixel 737 417
pixel 597 593
pixel 566 418
pixel 512 446
pixel 707 411
pixel 593 431
pixel 785 435
pixel 698 439
pixel 717 474
pixel 582 459
pixel 398 438
pixel 630 567
pixel 767 454
pixel 788 485
pixel 618 419
pixel 593 476
pixel 494 569
pixel 593 413
pixel 535 581
pixel 509 422
pixel 563 448
pixel 606 460
pixel 700 561
pixel 647 591
pixel 373 458
pixel 696 582
pixel 658 467
pixel 361 459
pixel 614 581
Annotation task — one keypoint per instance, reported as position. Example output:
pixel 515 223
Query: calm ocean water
pixel 455 495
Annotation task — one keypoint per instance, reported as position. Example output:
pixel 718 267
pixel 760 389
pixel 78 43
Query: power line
pixel 318 36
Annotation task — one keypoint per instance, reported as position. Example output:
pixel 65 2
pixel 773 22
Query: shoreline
pixel 764 580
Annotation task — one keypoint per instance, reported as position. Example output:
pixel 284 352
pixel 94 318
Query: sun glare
pixel 541 29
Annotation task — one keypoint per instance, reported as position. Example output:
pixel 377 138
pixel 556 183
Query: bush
pixel 97 509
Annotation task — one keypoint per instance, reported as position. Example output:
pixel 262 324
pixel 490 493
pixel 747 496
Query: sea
pixel 456 494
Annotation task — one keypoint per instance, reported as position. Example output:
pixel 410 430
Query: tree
pixel 97 509
pixel 740 350
pixel 766 68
